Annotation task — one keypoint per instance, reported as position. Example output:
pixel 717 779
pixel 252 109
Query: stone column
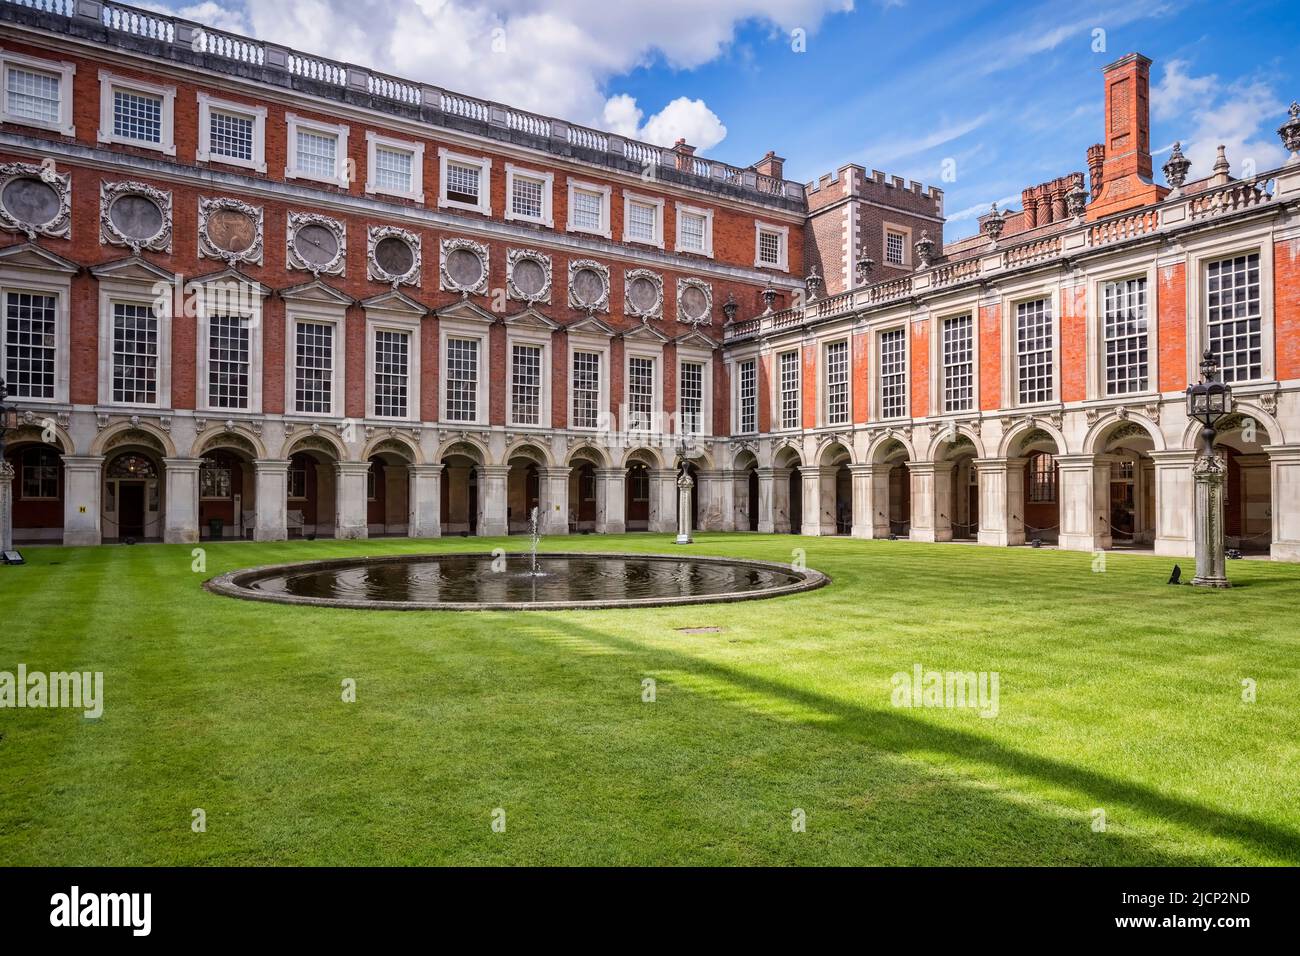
pixel 811 517
pixel 610 518
pixel 493 500
pixel 931 500
pixel 780 500
pixel 553 508
pixel 350 519
pixel 1175 502
pixel 181 500
pixel 685 485
pixel 83 484
pixel 6 506
pixel 720 501
pixel 663 501
pixel 766 500
pixel 271 522
pixel 1284 463
pixel 864 502
pixel 880 504
pixel 1210 474
pixel 1084 496
pixel 1002 500
pixel 425 501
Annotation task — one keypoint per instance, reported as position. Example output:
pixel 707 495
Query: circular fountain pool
pixel 466 582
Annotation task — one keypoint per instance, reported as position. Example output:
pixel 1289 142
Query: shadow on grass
pixel 895 732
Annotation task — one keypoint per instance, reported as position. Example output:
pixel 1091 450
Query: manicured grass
pixel 1117 692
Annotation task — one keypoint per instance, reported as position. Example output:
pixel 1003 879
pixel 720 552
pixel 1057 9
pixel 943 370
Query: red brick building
pixel 258 293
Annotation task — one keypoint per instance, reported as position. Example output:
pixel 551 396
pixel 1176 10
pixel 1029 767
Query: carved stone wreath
pixel 637 278
pixel 513 258
pixel 110 232
pixel 59 225
pixel 597 303
pixel 685 296
pixel 299 220
pixel 450 275
pixel 209 208
pixel 377 271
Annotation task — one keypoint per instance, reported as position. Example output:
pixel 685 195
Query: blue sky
pixel 1008 93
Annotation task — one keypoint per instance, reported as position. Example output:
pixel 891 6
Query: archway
pixel 836 490
pixel 312 489
pixel 388 490
pixel 637 487
pixel 1131 501
pixel 584 491
pixel 892 487
pixel 962 506
pixel 227 493
pixel 1248 493
pixel 1040 487
pixel 787 491
pixel 523 487
pixel 745 491
pixel 461 492
pixel 38 491
pixel 133 495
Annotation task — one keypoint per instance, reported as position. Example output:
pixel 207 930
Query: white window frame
pixel 953 310
pixel 783 234
pixel 1199 255
pixel 293 123
pixel 778 413
pixel 656 353
pixel 704 359
pixel 538 338
pixel 254 361
pixel 65 72
pixel 410 326
pixel 579 342
pixel 449 328
pixel 1145 268
pixel 577 185
pixel 736 398
pixel 1010 353
pixel 321 315
pixel 876 396
pixel 484 205
pixel 683 209
pixel 126 292
pixel 256 113
pixel 823 389
pixel 906 232
pixel 547 179
pixel 630 198
pixel 19 281
pixel 110 83
pixel 375 142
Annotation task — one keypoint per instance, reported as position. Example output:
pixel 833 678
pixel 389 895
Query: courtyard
pixel 1136 723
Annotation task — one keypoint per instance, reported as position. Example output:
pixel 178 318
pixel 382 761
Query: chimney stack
pixel 1126 167
pixel 770 165
pixel 1096 162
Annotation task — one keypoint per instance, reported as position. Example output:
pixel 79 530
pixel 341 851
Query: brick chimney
pixel 1126 168
pixel 1096 160
pixel 771 165
pixel 684 153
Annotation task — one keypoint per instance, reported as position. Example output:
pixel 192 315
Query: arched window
pixel 132 466
pixel 1042 478
pixel 40 473
pixel 214 477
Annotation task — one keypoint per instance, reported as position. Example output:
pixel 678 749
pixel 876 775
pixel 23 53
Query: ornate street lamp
pixel 685 483
pixel 1208 402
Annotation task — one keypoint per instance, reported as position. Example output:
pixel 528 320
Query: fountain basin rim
pixel 234 583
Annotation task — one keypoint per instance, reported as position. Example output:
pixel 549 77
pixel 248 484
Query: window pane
pixel 231 135
pixel 1233 317
pixel 135 354
pixel 958 365
pixel 1034 351
pixel 692 231
pixel 640 392
pixel 1125 306
pixel 317 153
pixel 893 374
pixel 40 473
pixel 392 372
pixel 462 183
pixel 790 390
pixel 314 381
pixel 228 361
pixel 588 210
pixel 526 384
pixel 895 248
pixel 137 116
pixel 393 170
pixel 31 95
pixel 641 221
pixel 526 197
pixel 462 380
pixel 691 402
pixel 748 397
pixel 769 248
pixel 29 344
pixel 837 383
pixel 586 389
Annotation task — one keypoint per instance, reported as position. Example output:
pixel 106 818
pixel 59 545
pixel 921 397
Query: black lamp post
pixel 1209 401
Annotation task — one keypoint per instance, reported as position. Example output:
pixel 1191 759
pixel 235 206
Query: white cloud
pixel 1178 89
pixel 554 58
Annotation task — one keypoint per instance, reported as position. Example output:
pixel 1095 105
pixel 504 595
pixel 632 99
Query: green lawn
pixel 1117 692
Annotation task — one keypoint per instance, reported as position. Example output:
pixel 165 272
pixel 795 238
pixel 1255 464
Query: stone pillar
pixel 350 519
pixel 931 500
pixel 864 502
pixel 181 500
pixel 493 500
pixel 6 506
pixel 1002 500
pixel 880 504
pixel 766 500
pixel 780 501
pixel 720 501
pixel 424 498
pixel 271 522
pixel 1175 503
pixel 1084 496
pixel 1284 463
pixel 83 484
pixel 610 513
pixel 1210 474
pixel 553 508
pixel 663 501
pixel 685 486
pixel 811 518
